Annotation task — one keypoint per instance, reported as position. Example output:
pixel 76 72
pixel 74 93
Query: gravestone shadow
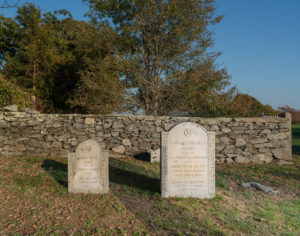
pixel 143 156
pixel 57 170
pixel 117 174
pixel 147 205
pixel 124 173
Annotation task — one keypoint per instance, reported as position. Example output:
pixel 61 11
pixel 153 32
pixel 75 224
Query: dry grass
pixel 34 201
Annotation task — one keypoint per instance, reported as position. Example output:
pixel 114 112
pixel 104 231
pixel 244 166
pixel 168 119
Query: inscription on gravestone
pixel 88 169
pixel 188 162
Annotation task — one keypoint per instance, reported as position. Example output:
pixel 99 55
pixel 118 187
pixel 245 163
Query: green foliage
pixel 142 56
pixel 8 35
pixel 201 91
pixel 66 65
pixel 29 52
pixel 222 183
pixel 163 43
pixel 245 105
pixel 12 94
pixel 99 89
pixel 5 94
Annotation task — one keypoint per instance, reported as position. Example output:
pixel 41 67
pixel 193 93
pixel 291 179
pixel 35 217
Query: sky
pixel 259 41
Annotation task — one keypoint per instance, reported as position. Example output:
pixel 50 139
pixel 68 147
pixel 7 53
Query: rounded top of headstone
pixel 189 129
pixel 88 147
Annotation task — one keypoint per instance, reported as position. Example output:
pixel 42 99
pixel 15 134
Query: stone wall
pixel 237 139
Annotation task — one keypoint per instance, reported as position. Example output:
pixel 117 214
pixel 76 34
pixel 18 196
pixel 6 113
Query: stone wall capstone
pixel 259 140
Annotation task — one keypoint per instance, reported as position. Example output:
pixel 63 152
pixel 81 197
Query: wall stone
pixel 260 140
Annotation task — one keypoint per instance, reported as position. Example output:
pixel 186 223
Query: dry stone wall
pixel 237 139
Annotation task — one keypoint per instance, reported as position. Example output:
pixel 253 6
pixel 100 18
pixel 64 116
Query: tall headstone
pixel 88 169
pixel 188 162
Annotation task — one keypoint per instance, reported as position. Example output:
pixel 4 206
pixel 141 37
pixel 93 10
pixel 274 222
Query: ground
pixel 34 201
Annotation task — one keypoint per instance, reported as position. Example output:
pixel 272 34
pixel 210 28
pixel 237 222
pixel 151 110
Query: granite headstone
pixel 188 162
pixel 88 169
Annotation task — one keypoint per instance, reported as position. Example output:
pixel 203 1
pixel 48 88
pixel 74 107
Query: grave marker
pixel 188 162
pixel 88 169
pixel 155 155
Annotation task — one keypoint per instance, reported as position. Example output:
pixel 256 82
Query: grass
pixel 34 201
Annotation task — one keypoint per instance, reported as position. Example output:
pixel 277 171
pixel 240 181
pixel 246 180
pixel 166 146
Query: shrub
pixel 12 94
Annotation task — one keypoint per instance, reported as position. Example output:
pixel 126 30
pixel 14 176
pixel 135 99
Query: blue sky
pixel 259 39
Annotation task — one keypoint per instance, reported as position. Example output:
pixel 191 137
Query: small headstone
pixel 188 162
pixel 155 156
pixel 88 169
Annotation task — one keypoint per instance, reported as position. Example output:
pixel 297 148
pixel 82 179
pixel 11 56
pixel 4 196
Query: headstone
pixel 188 162
pixel 155 156
pixel 88 169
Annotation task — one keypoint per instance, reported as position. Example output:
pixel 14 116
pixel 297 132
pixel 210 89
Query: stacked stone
pixel 237 139
pixel 253 140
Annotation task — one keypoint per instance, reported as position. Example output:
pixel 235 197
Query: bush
pixel 12 94
pixel 244 105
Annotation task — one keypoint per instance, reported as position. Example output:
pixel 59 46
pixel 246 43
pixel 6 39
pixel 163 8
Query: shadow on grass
pixel 143 156
pixel 161 217
pixel 285 173
pixel 258 173
pixel 124 173
pixel 138 189
pixel 296 150
pixel 120 172
pixel 57 170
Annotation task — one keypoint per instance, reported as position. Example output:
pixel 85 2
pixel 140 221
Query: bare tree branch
pixel 7 4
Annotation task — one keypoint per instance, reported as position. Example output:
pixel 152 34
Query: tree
pixel 98 88
pixel 293 111
pixel 8 4
pixel 66 65
pixel 201 91
pixel 161 43
pixel 9 34
pixel 12 94
pixel 29 51
pixel 287 108
pixel 245 105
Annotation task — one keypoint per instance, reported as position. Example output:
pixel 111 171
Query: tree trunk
pixel 156 88
pixel 156 106
pixel 34 88
pixel 147 105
